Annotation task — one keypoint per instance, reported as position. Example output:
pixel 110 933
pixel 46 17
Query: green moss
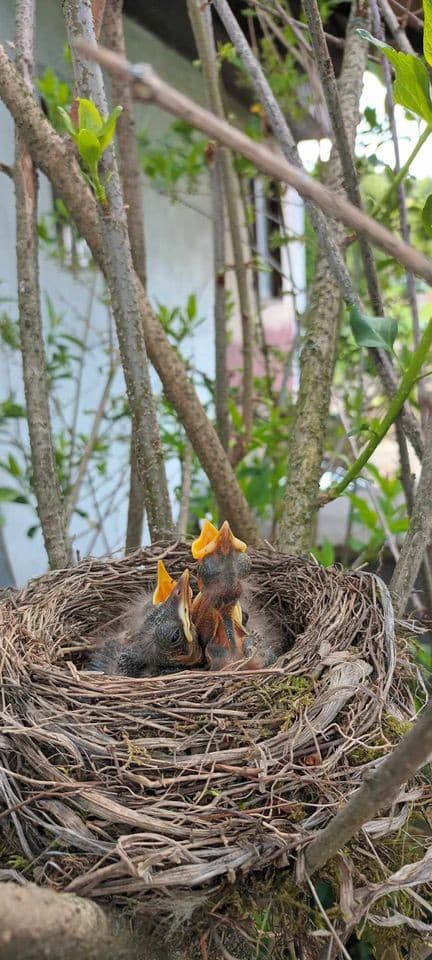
pixel 12 861
pixel 394 728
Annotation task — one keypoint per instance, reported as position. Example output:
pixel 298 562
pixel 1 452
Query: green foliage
pixel 377 332
pixel 427 31
pixel 176 161
pixel 282 73
pixel 427 215
pixel 325 554
pixel 92 136
pixel 55 94
pixel 392 505
pixel 411 85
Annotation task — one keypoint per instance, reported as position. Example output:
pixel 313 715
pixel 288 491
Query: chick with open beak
pixel 156 635
pixel 223 565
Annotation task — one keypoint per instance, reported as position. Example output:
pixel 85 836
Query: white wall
pixel 179 252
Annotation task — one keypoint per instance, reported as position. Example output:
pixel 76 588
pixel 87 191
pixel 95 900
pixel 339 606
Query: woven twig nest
pixel 166 793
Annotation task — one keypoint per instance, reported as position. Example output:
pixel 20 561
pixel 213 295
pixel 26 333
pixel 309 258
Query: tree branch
pixel 407 383
pixel 201 21
pixel 46 483
pixel 59 164
pixel 322 229
pixel 395 28
pixel 186 487
pixel 220 326
pixel 122 285
pixel 318 356
pixel 377 792
pixel 149 87
pixel 38 922
pixel 406 477
pixel 7 170
pixel 418 536
pixel 72 499
pixel 130 174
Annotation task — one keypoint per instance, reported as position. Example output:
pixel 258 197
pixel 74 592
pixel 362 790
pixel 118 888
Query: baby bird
pixel 217 612
pixel 156 635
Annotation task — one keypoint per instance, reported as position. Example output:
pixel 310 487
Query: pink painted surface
pixel 279 333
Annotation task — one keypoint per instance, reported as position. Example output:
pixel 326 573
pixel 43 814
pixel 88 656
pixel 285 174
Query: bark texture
pixel 55 158
pixel 123 287
pixel 220 328
pixel 40 924
pixel 202 25
pixel 50 507
pixel 418 537
pixel 132 194
pixel 377 792
pixel 318 355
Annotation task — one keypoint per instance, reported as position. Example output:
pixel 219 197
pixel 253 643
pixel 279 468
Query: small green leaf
pixel 7 495
pixel 89 117
pixel 10 409
pixel 89 149
pixel 427 31
pixel 411 85
pixel 67 122
pixel 106 134
pixel 373 331
pixel 427 215
pixel 13 466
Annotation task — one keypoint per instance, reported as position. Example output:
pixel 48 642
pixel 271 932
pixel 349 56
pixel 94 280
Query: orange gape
pixel 221 635
pixel 216 611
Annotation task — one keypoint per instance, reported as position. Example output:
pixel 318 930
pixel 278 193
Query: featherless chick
pixel 155 635
pixel 226 634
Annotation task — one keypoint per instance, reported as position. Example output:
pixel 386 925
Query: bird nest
pixel 193 795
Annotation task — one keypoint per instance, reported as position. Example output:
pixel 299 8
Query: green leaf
pixel 89 149
pixel 325 555
pixel 373 331
pixel 11 409
pixel 13 466
pixel 7 495
pixel 106 134
pixel 411 85
pixel 89 117
pixel 427 31
pixel 427 215
pixel 67 122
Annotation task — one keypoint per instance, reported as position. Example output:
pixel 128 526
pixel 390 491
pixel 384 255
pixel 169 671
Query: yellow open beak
pixel 165 584
pixel 211 540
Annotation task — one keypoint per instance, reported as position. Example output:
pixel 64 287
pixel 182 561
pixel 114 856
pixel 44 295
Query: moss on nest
pixel 181 795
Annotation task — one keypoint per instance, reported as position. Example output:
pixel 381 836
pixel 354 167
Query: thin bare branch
pixel 123 288
pixel 149 87
pixel 395 28
pixel 86 455
pixel 186 488
pixel 7 170
pixel 201 21
pixel 324 233
pixel 46 483
pixel 220 327
pixel 418 537
pixel 318 356
pixel 406 477
pixel 130 175
pixel 378 791
pixel 53 156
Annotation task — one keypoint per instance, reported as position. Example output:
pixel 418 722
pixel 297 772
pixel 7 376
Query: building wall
pixel 179 261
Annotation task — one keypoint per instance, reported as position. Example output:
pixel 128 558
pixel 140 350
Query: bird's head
pixel 173 631
pixel 222 563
